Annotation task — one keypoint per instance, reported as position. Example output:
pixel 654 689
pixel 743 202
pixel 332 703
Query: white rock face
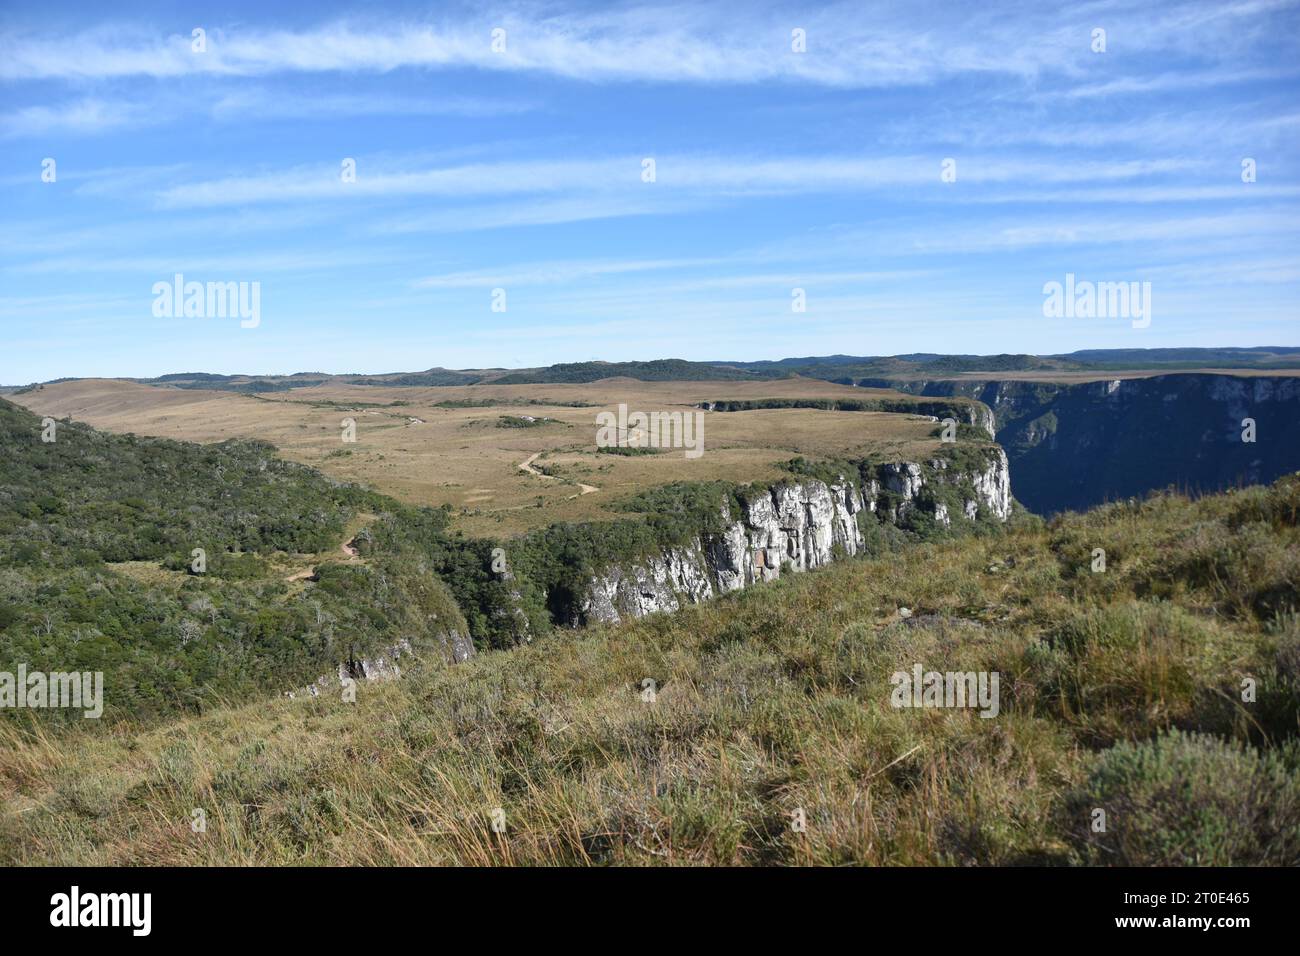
pixel 730 558
pixel 992 488
pixel 791 527
pixel 981 416
pixel 662 582
pixel 902 478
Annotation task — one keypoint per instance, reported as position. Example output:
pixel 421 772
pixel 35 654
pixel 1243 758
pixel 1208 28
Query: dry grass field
pixel 420 446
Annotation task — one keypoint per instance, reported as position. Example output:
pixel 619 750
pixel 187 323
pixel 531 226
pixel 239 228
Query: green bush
pixel 1191 800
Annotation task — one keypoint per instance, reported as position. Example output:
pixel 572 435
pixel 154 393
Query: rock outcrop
pixel 438 632
pixel 386 663
pixel 796 526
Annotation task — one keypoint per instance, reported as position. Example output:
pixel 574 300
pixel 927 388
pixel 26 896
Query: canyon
pixel 1075 445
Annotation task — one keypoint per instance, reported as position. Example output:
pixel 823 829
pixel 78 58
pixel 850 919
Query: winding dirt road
pixel 346 547
pixel 527 465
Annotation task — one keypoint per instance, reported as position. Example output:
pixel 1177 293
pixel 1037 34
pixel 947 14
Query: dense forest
pixel 98 570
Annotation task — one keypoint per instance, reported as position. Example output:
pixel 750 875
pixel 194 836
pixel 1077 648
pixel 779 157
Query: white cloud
pixel 85 116
pixel 555 272
pixel 847 45
pixel 706 176
pixel 260 103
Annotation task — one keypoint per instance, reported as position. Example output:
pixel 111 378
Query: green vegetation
pixel 332 404
pixel 964 432
pixel 627 451
pixel 80 515
pixel 658 370
pixel 1161 686
pixel 522 421
pixel 956 409
pixel 1192 799
pixel 495 402
pixel 1121 690
pixel 144 499
pixel 98 534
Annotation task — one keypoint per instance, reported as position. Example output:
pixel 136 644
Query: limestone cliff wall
pixel 1073 446
pixel 793 527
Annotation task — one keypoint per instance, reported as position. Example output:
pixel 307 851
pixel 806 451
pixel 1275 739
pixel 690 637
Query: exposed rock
pixel 793 526
pixel 1073 446
pixel 456 646
pixel 661 582
pixel 992 488
pixel 385 663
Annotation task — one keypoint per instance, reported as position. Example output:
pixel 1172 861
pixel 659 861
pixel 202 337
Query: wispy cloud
pixel 774 169
pixel 708 175
pixel 685 43
pixel 89 115
pixel 261 103
pixel 164 265
pixel 556 272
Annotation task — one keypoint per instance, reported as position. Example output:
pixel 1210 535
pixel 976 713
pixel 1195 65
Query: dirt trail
pixel 527 465
pixel 346 547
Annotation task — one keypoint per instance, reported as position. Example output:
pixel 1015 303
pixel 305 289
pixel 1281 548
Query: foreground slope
pixel 1121 691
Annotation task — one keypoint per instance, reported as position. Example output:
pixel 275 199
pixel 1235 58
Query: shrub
pixel 1190 799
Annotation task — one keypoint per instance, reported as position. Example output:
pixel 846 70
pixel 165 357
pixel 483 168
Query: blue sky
pixel 521 169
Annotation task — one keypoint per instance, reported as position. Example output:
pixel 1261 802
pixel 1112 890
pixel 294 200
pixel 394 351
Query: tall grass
pixel 1120 690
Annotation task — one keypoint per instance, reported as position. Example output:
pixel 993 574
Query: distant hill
pixel 1264 356
pixel 658 370
pixel 846 369
pixel 282 383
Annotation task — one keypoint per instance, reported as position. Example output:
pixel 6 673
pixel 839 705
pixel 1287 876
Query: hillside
pixel 1080 429
pixel 194 573
pixel 191 573
pixel 1121 691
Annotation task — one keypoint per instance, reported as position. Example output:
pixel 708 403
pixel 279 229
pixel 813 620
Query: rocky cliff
pixel 1074 446
pixel 438 632
pixel 799 525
